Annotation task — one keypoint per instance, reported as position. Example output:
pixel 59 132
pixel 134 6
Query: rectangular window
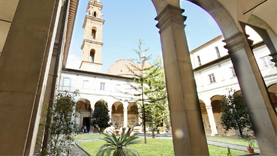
pixel 66 84
pixel 233 71
pixel 86 84
pixel 102 86
pixel 217 52
pixel 199 60
pixel 212 78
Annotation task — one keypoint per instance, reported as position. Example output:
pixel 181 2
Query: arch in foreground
pixel 184 108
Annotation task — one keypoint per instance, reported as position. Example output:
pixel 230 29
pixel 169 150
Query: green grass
pixel 230 140
pixel 88 136
pixel 154 147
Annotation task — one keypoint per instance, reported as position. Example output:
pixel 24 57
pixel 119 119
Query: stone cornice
pixel 92 42
pixel 170 14
pixel 236 42
pixel 81 72
pixel 97 4
pixel 70 23
pixel 93 19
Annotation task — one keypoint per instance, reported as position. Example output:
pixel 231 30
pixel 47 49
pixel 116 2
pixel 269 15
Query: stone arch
pixel 83 115
pixel 215 103
pixel 238 92
pixel 117 114
pixel 205 117
pixel 96 104
pixel 169 17
pixel 132 111
pixel 84 104
pixel 222 17
pixel 266 32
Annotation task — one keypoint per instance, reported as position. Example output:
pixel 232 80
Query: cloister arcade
pixel 31 38
pixel 117 113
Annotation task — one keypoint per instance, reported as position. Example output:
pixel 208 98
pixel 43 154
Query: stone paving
pixel 210 142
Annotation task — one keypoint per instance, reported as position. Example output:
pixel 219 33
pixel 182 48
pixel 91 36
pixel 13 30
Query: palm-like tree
pixel 118 146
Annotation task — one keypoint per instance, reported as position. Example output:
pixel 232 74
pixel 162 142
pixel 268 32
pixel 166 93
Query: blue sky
pixel 127 21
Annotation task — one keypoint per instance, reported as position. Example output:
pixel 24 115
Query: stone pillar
pixel 90 124
pixel 24 67
pixel 110 108
pixel 185 114
pixel 139 116
pixel 254 92
pixel 211 120
pixel 125 111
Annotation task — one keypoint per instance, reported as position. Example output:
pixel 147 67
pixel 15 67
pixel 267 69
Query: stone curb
pixel 83 149
pixel 231 144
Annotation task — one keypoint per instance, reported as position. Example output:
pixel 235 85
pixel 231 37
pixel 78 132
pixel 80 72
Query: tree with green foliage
pixel 61 128
pixel 118 146
pixel 235 114
pixel 149 89
pixel 155 90
pixel 101 117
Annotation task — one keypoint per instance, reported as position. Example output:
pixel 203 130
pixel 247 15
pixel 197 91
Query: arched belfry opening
pixel 94 14
pixel 93 33
pixel 92 55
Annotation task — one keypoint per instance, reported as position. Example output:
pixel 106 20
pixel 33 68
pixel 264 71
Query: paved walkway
pixel 231 146
pixel 77 151
pixel 210 142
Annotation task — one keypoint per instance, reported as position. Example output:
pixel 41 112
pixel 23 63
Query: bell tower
pixel 92 40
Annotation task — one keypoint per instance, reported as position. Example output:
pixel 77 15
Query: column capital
pixel 236 42
pixel 170 14
pixel 274 58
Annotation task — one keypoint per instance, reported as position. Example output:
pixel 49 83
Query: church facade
pixel 92 85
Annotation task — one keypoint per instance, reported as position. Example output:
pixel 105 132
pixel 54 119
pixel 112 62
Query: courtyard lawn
pixel 88 136
pixel 231 140
pixel 154 147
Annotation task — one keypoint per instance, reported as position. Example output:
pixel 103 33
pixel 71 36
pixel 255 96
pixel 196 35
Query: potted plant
pixel 251 143
pixel 153 133
pixel 117 132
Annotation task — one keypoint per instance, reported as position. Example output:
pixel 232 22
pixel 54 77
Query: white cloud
pixel 73 61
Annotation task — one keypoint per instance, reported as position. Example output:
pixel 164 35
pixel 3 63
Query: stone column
pixel 125 111
pixel 139 116
pixel 211 120
pixel 185 114
pixel 254 92
pixel 24 67
pixel 110 112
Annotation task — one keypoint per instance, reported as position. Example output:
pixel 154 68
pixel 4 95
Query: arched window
pixel 92 54
pixel 93 33
pixel 94 14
